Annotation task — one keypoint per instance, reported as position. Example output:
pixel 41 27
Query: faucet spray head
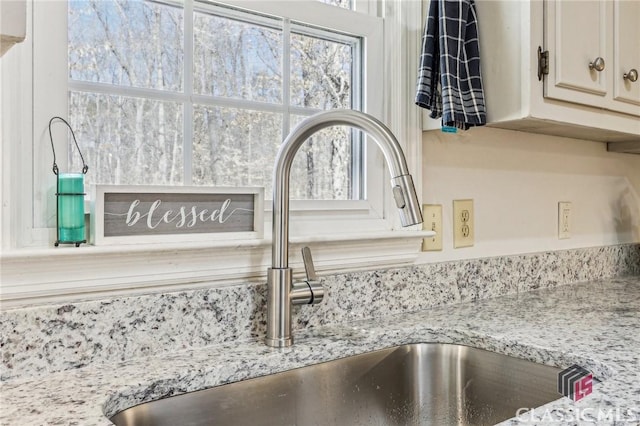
pixel 404 195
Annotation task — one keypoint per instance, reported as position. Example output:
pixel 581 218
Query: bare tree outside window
pixel 347 4
pixel 148 112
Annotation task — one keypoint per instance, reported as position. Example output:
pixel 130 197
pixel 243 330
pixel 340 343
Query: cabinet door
pixel 626 51
pixel 576 34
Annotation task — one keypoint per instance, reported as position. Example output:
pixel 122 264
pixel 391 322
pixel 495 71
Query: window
pixel 190 151
pixel 203 95
pixel 37 83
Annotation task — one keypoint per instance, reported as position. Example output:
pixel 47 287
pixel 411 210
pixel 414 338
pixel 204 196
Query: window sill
pixel 66 273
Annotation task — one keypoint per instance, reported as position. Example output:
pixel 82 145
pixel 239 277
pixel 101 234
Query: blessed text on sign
pixel 187 214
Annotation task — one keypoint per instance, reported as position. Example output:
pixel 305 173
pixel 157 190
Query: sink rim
pixel 354 352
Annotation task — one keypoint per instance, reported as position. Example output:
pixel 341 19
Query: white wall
pixel 517 179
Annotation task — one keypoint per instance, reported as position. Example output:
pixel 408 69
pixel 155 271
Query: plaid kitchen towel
pixel 449 78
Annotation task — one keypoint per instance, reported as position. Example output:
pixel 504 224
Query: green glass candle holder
pixel 69 199
pixel 70 206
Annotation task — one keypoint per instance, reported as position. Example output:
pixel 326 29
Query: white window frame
pixel 32 269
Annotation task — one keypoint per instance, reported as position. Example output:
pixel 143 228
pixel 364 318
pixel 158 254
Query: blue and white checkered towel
pixel 449 78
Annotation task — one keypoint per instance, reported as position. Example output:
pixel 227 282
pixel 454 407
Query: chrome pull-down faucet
pixel 282 293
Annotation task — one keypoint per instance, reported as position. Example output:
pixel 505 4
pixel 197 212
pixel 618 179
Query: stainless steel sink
pixel 419 384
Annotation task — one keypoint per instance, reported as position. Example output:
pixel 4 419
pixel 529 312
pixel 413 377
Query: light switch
pixel 432 221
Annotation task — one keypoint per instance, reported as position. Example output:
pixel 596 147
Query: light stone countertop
pixel 595 325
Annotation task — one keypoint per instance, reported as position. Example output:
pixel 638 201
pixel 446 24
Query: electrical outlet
pixel 564 220
pixel 463 225
pixel 432 221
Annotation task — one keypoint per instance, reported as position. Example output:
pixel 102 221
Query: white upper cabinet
pixel 13 23
pixel 626 54
pixel 592 45
pixel 559 93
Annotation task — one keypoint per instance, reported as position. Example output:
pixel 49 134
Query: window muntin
pixel 235 108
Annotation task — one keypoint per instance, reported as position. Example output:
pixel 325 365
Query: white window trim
pixel 361 237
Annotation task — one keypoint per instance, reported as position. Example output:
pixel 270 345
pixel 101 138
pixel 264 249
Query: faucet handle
pixel 308 264
pixel 309 292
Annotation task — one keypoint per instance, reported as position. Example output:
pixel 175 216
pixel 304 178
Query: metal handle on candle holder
pixel 85 168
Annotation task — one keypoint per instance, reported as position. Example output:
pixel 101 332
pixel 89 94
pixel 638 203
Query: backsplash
pixel 48 338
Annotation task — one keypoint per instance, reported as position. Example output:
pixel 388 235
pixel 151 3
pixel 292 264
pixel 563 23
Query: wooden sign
pixel 147 214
